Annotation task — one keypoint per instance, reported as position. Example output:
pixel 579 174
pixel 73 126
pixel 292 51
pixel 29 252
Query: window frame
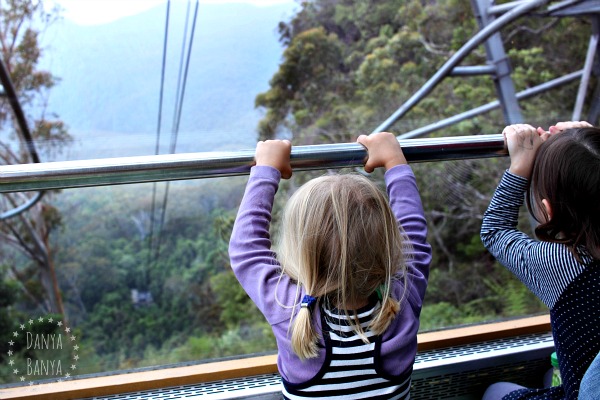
pixel 133 381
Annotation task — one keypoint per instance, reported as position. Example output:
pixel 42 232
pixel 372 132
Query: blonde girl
pixel 344 292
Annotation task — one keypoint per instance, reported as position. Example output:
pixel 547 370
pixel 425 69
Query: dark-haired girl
pixel 559 170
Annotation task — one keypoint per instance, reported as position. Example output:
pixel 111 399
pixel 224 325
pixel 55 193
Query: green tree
pixel 366 57
pixel 29 232
pixel 348 65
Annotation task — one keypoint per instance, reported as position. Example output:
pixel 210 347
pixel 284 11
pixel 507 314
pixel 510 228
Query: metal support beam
pixel 167 167
pixel 502 8
pixel 497 58
pixel 445 123
pixel 8 91
pixel 587 69
pixel 473 70
pixel 445 70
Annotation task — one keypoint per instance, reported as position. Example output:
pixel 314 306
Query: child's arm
pixel 539 265
pixel 385 151
pixel 252 259
pixel 499 232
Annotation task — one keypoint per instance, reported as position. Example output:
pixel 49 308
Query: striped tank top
pixel 352 368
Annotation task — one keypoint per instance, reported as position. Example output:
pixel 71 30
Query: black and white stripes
pixel 351 366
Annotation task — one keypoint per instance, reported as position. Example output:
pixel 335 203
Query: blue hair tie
pixel 308 302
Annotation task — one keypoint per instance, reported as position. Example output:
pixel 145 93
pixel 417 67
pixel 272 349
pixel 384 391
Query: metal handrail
pixel 167 167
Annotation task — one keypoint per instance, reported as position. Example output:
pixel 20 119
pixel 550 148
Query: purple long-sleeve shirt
pixel 257 269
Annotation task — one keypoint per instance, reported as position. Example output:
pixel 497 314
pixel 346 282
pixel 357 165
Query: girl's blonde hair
pixel 341 242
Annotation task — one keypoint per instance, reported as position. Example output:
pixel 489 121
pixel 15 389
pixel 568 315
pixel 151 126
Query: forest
pixel 347 65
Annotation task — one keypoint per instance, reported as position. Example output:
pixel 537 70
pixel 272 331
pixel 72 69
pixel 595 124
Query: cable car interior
pixel 451 363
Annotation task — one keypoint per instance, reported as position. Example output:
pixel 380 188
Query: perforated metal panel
pixel 460 372
pixel 256 387
pixel 471 384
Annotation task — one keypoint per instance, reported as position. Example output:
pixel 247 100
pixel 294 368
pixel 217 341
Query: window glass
pixel 113 278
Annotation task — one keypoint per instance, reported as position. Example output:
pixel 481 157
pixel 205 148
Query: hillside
pixel 109 86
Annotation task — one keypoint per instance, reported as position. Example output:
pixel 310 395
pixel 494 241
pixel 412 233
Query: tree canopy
pixel 349 64
pixel 28 233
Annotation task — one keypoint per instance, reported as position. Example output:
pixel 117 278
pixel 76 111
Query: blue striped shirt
pixel 545 268
pixel 569 288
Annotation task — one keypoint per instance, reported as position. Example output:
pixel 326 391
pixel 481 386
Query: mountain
pixel 110 76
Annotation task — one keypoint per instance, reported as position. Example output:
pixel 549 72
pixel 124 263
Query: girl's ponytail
pixel 304 336
pixel 388 311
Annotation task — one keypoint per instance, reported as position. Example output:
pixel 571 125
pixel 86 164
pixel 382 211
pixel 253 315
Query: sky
pixel 95 12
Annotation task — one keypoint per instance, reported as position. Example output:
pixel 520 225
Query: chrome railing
pixel 126 170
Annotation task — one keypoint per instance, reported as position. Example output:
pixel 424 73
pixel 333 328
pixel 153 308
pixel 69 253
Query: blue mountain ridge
pixel 108 92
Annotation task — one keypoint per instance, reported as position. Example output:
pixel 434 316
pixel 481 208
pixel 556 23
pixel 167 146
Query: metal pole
pixel 456 58
pixel 496 56
pixel 444 123
pixel 473 70
pixel 167 167
pixel 11 95
pixel 502 8
pixel 587 71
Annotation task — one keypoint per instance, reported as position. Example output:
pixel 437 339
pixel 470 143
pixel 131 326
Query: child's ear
pixel 548 208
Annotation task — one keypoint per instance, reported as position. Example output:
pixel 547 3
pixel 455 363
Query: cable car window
pixel 139 273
